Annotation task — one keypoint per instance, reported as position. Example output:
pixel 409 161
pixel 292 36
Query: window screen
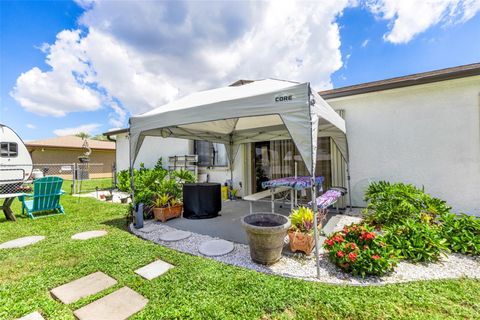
pixel 211 154
pixel 8 149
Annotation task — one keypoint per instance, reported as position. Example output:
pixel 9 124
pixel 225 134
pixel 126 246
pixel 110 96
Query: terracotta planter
pixel 300 241
pixel 163 214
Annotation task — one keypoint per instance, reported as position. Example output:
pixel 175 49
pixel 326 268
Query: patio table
pixel 294 184
pixel 7 203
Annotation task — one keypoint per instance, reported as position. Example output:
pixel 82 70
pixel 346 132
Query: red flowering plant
pixel 358 250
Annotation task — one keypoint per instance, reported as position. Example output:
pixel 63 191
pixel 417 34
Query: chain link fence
pixel 78 177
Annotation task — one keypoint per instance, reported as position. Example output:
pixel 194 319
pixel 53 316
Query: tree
pixel 83 135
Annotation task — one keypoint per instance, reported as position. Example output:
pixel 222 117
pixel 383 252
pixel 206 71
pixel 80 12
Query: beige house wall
pixel 55 157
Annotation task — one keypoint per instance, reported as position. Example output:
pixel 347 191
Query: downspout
pixel 231 159
pixel 132 179
pixel 348 176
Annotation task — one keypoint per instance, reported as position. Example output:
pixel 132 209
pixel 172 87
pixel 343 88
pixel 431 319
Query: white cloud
pixel 65 87
pixel 31 126
pixel 139 55
pixel 365 43
pixel 86 128
pixel 411 17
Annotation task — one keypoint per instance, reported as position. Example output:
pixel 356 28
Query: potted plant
pixel 300 233
pixel 233 193
pixel 109 196
pixel 166 207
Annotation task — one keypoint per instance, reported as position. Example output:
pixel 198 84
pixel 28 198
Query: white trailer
pixel 15 161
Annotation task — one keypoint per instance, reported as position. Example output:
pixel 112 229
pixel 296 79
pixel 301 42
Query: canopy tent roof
pixel 257 111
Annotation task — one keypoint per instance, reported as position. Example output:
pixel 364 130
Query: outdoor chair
pixel 45 197
pixel 329 198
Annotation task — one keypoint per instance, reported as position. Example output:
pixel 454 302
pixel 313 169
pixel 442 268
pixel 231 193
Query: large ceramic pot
pixel 266 233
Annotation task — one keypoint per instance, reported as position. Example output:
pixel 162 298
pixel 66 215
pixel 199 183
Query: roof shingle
pixel 71 142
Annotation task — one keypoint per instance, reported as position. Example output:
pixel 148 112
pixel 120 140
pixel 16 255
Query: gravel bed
pixel 450 266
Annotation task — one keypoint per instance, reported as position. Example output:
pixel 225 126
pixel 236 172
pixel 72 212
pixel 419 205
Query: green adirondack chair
pixel 46 197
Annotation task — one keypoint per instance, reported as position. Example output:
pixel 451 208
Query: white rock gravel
pixel 451 266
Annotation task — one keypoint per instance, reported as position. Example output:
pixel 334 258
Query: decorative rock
pixel 83 287
pixel 154 269
pixel 118 305
pixel 89 235
pixel 32 316
pixel 175 235
pixel 215 248
pixel 21 242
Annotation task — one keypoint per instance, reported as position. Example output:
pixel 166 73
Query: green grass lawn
pixel 196 288
pixel 88 185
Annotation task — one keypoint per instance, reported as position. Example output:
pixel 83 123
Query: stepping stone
pixel 89 235
pixel 83 287
pixel 154 269
pixel 213 248
pixel 32 316
pixel 175 235
pixel 329 227
pixel 118 305
pixel 148 228
pixel 21 242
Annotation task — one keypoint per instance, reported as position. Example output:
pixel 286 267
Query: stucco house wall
pixel 428 135
pixel 152 149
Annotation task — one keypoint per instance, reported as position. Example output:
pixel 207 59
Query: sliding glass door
pixel 276 159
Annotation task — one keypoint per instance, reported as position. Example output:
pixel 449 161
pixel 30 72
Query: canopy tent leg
pixel 315 225
pixel 132 179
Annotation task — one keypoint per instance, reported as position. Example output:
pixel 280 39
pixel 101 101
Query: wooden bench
pixel 263 194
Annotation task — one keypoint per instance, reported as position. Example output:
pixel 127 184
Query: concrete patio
pixel 228 225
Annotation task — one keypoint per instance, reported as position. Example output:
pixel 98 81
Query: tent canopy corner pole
pixel 130 161
pixel 313 183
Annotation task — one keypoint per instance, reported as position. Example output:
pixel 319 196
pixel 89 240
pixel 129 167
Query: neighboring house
pixel 422 129
pixel 58 152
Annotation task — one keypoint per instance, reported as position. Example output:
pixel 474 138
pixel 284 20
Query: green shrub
pixel 123 180
pixel 391 203
pixel 416 241
pixel 357 250
pixel 302 220
pixel 461 232
pixel 149 183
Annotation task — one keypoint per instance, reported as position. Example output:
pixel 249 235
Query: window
pixel 210 154
pixel 8 149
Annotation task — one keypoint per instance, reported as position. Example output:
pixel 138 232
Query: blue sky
pixel 109 60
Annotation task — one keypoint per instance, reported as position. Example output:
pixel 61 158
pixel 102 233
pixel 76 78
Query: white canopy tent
pixel 257 111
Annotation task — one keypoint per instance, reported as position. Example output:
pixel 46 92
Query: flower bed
pixel 415 227
pixel 358 250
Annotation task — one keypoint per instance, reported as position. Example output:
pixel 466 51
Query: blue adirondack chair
pixel 45 197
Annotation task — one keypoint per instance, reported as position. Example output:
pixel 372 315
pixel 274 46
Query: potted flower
pixel 166 207
pixel 300 233
pixel 108 196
